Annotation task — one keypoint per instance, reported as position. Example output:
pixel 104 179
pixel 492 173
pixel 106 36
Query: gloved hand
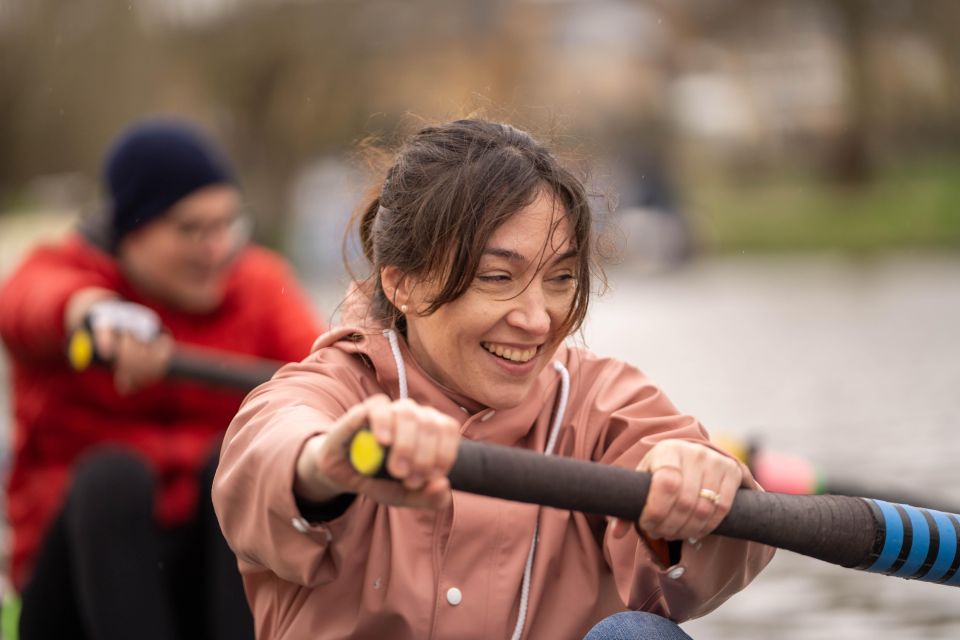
pixel 126 336
pixel 108 317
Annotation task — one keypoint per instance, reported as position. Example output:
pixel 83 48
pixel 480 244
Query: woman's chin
pixel 504 399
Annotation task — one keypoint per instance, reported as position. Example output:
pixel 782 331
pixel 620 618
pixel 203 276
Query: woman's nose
pixel 531 313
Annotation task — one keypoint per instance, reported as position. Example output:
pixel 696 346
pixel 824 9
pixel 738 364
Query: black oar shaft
pixel 848 531
pixel 196 364
pixel 837 529
pixel 220 369
pixel 525 476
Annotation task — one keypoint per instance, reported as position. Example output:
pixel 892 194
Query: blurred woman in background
pixel 113 531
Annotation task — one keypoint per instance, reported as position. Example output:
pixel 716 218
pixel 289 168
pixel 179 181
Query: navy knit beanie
pixel 151 166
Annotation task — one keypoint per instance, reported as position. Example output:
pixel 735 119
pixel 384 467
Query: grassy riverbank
pixel 912 206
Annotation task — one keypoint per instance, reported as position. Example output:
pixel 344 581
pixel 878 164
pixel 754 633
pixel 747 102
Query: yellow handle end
pixel 80 350
pixel 366 454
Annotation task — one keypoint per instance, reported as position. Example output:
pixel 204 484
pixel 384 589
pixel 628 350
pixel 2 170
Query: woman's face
pixel 492 342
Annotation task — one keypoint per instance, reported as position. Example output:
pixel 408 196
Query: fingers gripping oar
pixel 861 533
pixel 209 366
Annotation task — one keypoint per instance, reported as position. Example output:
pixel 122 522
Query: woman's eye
pixel 497 277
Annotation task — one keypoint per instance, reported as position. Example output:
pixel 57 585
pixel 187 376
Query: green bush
pixel 913 206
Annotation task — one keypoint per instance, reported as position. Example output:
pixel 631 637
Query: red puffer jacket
pixel 59 414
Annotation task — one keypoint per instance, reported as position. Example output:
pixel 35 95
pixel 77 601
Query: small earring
pixel 403 308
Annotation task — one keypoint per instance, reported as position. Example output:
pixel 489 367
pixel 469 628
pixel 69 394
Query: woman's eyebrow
pixel 513 256
pixel 573 252
pixel 507 254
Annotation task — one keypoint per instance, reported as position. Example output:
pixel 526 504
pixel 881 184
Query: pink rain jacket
pixel 387 572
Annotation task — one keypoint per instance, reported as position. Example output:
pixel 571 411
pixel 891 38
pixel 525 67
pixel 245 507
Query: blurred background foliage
pixel 770 124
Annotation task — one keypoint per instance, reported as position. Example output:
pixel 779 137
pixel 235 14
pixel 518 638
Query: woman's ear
pixel 396 287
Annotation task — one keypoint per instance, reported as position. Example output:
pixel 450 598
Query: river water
pixel 852 364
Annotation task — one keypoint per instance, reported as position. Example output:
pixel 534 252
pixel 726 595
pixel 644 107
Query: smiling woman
pixel 481 258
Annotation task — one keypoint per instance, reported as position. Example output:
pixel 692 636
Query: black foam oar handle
pixel 823 527
pixel 208 366
pixel 843 530
pixel 221 369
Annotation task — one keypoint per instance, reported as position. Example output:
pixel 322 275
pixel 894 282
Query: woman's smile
pixel 512 353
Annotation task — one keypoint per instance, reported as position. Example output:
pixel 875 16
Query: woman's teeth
pixel 508 353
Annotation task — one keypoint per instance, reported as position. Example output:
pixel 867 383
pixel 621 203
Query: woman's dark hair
pixel 449 188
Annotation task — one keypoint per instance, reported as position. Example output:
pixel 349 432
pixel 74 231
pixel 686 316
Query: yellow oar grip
pixel 80 350
pixel 736 447
pixel 366 454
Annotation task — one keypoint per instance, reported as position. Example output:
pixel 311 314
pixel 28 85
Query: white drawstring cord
pixel 561 409
pixel 561 406
pixel 398 358
pixel 551 441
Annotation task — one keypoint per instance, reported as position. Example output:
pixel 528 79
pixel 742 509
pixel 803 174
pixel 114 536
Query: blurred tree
pixel 297 90
pixel 284 82
pixel 849 159
pixel 72 74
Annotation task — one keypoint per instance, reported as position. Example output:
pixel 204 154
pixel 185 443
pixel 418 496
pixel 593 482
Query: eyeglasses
pixel 237 228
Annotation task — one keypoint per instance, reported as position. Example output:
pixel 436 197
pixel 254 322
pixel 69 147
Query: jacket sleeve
pixel 33 300
pixel 253 488
pixel 636 415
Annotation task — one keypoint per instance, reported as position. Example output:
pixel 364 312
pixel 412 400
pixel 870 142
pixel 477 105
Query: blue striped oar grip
pixel 915 543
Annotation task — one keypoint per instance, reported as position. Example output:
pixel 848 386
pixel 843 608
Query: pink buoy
pixel 783 473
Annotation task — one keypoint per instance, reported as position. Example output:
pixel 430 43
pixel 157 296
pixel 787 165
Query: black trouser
pixel 106 570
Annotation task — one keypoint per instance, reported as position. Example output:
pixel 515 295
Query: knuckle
pixel 423 457
pixel 685 505
pixel 377 400
pixel 703 509
pixel 427 425
pixel 376 411
pixel 405 405
pixel 654 513
pixel 668 480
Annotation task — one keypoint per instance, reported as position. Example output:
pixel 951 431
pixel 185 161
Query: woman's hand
pixel 691 490
pixel 423 447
